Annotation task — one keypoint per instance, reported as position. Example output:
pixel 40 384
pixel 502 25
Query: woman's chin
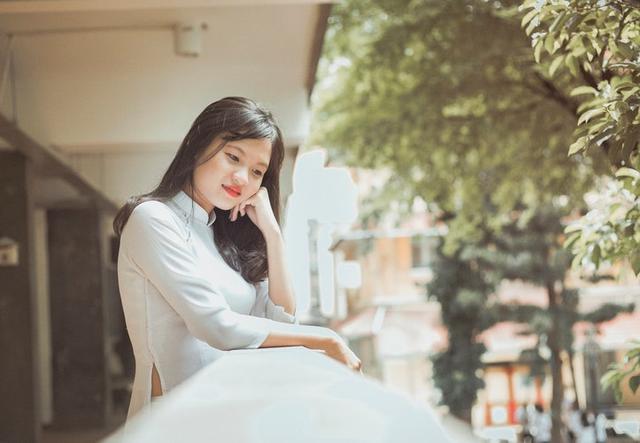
pixel 225 205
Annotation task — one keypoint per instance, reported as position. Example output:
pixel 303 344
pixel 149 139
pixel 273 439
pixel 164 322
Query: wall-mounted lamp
pixel 188 38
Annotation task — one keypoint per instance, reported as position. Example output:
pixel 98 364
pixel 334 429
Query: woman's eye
pixel 233 157
pixel 258 173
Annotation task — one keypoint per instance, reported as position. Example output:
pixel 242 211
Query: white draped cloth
pixel 282 395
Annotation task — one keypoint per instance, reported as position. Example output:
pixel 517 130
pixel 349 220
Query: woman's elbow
pixel 224 337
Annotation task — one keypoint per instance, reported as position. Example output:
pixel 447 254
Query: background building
pixel 396 328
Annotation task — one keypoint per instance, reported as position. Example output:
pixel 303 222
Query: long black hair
pixel 240 243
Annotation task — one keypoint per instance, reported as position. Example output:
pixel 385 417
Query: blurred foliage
pixel 450 98
pixel 597 44
pixel 466 120
pixel 465 283
pixel 462 290
pixel 607 311
pixel 463 117
pixel 530 249
pixel 629 369
pixel 610 231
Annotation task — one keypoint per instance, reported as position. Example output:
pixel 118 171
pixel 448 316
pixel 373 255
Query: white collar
pixel 189 206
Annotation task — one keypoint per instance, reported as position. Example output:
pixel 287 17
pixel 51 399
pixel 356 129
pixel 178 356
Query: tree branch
pixel 549 90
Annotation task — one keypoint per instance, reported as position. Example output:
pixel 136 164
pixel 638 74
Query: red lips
pixel 233 191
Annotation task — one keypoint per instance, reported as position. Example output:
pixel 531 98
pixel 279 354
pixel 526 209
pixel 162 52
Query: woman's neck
pixel 199 199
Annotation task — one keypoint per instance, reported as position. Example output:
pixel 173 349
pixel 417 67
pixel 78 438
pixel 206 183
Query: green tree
pixel 597 45
pixel 463 291
pixel 528 249
pixel 448 95
pixel 531 249
pixel 454 110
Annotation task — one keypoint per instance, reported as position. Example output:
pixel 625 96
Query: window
pixel 422 250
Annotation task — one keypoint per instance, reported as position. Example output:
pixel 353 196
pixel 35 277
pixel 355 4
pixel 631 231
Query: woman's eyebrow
pixel 242 150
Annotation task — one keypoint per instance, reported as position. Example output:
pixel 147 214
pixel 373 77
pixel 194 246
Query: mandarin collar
pixel 189 206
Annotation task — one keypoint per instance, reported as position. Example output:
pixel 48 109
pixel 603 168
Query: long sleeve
pixel 264 306
pixel 154 243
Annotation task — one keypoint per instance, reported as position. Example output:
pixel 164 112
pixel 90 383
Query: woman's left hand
pixel 258 208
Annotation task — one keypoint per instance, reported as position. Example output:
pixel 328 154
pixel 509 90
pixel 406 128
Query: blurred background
pixel 460 195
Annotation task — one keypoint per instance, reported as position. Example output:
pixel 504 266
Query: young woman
pixel 201 266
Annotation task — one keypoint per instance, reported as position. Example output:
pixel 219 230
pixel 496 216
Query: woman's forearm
pixel 276 339
pixel 312 337
pixel 315 337
pixel 280 285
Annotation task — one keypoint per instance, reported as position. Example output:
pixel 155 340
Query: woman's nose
pixel 241 176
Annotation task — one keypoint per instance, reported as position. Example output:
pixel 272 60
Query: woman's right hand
pixel 338 350
pixel 314 337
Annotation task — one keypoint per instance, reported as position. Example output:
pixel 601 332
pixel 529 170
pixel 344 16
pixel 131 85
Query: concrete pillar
pixel 76 276
pixel 19 420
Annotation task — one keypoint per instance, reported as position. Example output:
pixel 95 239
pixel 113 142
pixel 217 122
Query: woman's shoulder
pixel 151 232
pixel 152 213
pixel 152 208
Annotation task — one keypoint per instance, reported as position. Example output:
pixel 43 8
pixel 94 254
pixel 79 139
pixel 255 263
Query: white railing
pixel 281 395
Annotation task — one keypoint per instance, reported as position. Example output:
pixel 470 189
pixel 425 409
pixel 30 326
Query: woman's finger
pixel 243 205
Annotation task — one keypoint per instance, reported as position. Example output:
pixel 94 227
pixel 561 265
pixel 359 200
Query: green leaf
pixel 595 255
pixel 528 17
pixel 537 51
pixel 572 64
pixel 626 50
pixel 571 240
pixel 549 43
pixel 611 380
pixel 559 21
pixel 596 45
pixel 578 145
pixel 635 262
pixel 628 172
pixel 574 21
pixel 531 26
pixel 572 228
pixel 555 64
pixel 596 128
pixel 577 261
pixel 603 136
pixel 611 377
pixel 633 354
pixel 634 383
pixel 585 117
pixel 619 83
pixel 580 90
pixel 630 93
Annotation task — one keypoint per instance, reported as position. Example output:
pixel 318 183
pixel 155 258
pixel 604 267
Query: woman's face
pixel 232 175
